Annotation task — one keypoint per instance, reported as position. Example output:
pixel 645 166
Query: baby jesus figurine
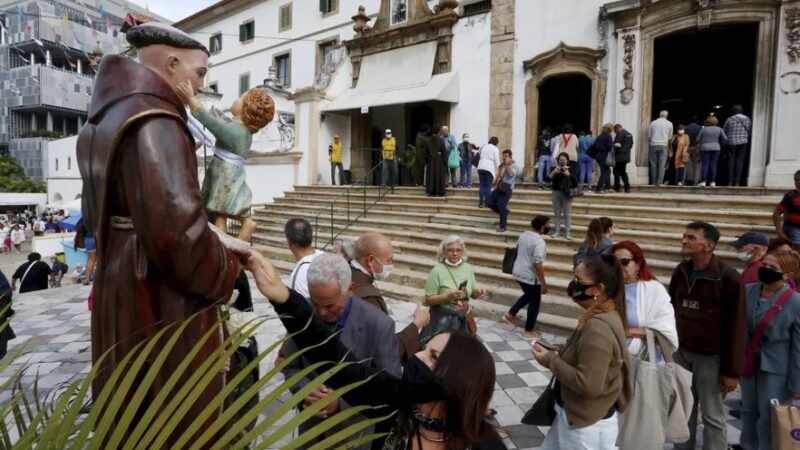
pixel 225 191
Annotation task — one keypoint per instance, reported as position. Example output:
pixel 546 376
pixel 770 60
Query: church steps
pixel 478 228
pixel 417 223
pixel 669 200
pixel 522 216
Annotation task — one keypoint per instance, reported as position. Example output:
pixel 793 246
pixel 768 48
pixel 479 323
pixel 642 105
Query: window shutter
pixel 322 5
pixel 242 33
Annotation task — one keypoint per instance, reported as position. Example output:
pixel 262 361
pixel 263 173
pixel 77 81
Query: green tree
pixel 13 178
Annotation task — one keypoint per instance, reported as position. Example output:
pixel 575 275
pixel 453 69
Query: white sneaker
pixel 701 184
pixel 712 184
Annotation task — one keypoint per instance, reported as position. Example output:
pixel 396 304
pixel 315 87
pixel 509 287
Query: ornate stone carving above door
pixel 401 23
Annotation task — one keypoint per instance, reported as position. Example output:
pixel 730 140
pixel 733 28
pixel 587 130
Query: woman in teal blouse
pixel 449 287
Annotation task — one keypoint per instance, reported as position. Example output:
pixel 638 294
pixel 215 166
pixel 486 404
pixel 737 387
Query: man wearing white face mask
pixel 372 262
pixel 751 248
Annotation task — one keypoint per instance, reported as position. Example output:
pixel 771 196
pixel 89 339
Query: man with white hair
pixel 450 145
pixel 364 329
pixel 658 135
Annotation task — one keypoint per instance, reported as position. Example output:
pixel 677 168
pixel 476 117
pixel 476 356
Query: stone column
pixel 627 112
pixel 49 59
pixel 34 122
pixel 80 123
pixel 784 159
pixel 64 126
pixel 49 121
pixel 306 140
pixel 80 66
pixel 501 84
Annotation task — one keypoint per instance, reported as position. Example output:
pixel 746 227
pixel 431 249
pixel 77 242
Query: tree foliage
pixel 13 178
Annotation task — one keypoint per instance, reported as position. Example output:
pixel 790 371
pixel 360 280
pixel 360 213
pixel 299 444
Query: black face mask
pixel 419 384
pixel 768 276
pixel 577 291
pixel 547 229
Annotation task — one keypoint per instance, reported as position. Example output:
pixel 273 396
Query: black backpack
pixel 476 158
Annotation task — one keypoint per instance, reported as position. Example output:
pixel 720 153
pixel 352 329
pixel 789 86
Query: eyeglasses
pixel 625 261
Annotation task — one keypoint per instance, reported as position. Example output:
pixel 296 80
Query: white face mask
pixel 744 256
pixel 681 131
pixel 453 264
pixel 384 274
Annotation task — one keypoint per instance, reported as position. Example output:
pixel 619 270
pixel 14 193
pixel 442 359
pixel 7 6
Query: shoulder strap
pixel 22 280
pixel 297 272
pixel 755 341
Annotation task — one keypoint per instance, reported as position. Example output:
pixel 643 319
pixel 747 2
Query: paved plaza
pixel 54 327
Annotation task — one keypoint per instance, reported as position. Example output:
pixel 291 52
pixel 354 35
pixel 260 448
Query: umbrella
pixel 71 222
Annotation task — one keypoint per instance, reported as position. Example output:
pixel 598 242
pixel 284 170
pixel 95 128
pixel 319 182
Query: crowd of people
pixel 709 316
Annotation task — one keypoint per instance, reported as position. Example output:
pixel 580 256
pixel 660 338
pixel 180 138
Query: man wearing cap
pixel 335 151
pixel 751 248
pixel 389 147
pixel 159 263
pixel 465 151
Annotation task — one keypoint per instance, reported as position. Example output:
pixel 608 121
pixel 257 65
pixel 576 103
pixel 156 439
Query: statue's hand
pixel 267 279
pixel 185 91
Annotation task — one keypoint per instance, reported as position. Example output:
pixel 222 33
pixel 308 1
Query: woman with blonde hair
pixel 449 288
pixel 710 141
pixel 772 356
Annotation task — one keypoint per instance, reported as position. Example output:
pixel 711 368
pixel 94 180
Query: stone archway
pixel 561 60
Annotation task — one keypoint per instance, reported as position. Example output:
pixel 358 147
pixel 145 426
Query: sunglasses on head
pixel 625 261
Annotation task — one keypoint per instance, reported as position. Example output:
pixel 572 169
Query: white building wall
pixel 63 177
pixel 540 26
pixel 471 61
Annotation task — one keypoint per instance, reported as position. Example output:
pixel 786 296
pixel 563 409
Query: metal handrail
pixel 361 186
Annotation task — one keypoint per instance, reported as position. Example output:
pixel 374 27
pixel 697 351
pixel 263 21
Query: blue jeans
pixel 585 169
pixel 792 232
pixel 680 174
pixel 389 172
pixel 709 164
pixel 498 202
pixel 605 178
pixel 532 298
pixel 756 414
pixel 466 174
pixel 658 163
pixel 485 179
pixel 545 166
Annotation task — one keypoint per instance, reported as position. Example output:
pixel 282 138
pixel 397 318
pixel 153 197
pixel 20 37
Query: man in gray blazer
pixel 364 329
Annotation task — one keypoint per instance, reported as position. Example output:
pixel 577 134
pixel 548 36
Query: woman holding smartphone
pixel 449 287
pixel 563 182
pixel 593 379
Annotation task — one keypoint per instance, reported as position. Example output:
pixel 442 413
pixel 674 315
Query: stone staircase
pixel 415 223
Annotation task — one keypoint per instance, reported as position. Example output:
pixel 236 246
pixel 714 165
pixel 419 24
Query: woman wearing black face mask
pixel 772 356
pixel 441 398
pixel 593 380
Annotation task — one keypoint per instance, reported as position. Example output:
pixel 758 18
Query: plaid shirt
pixel 737 128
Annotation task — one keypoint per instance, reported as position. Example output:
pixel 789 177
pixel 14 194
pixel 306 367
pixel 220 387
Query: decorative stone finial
pixel 361 20
pixel 447 5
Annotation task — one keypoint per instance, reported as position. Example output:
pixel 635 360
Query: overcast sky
pixel 175 9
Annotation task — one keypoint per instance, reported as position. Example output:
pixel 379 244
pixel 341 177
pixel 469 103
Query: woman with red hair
pixel 647 301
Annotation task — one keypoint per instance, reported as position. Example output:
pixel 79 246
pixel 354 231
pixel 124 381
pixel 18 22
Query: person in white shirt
pixel 487 169
pixel 658 135
pixel 299 238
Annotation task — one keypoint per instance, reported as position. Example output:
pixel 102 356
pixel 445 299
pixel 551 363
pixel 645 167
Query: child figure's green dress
pixel 224 188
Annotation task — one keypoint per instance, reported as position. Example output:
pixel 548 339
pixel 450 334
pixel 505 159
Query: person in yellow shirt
pixel 389 146
pixel 335 152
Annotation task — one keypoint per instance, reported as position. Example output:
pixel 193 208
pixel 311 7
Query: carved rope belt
pixel 121 223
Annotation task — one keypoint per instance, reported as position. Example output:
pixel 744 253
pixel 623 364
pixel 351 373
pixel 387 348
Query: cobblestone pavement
pixel 54 326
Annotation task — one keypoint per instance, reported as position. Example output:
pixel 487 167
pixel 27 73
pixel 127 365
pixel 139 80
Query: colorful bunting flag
pixel 100 9
pixel 125 6
pixel 64 24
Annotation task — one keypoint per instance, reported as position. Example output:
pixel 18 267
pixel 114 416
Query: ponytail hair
pixel 607 270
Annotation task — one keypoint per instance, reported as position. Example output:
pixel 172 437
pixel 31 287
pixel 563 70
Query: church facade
pixel 507 68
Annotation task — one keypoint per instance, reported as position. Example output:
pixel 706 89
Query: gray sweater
pixel 711 138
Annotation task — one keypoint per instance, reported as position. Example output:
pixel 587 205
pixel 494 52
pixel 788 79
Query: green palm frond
pixel 125 414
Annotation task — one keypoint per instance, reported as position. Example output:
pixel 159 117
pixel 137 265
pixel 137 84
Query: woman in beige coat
pixel 679 153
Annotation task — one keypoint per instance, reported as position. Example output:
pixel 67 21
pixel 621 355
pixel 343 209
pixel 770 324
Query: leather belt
pixel 121 223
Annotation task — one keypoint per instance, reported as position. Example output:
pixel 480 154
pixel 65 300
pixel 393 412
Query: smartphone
pixel 462 286
pixel 546 344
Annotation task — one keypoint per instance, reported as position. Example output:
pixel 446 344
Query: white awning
pixel 396 77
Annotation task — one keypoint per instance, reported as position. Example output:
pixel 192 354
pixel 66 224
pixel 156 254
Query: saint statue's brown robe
pixel 158 262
